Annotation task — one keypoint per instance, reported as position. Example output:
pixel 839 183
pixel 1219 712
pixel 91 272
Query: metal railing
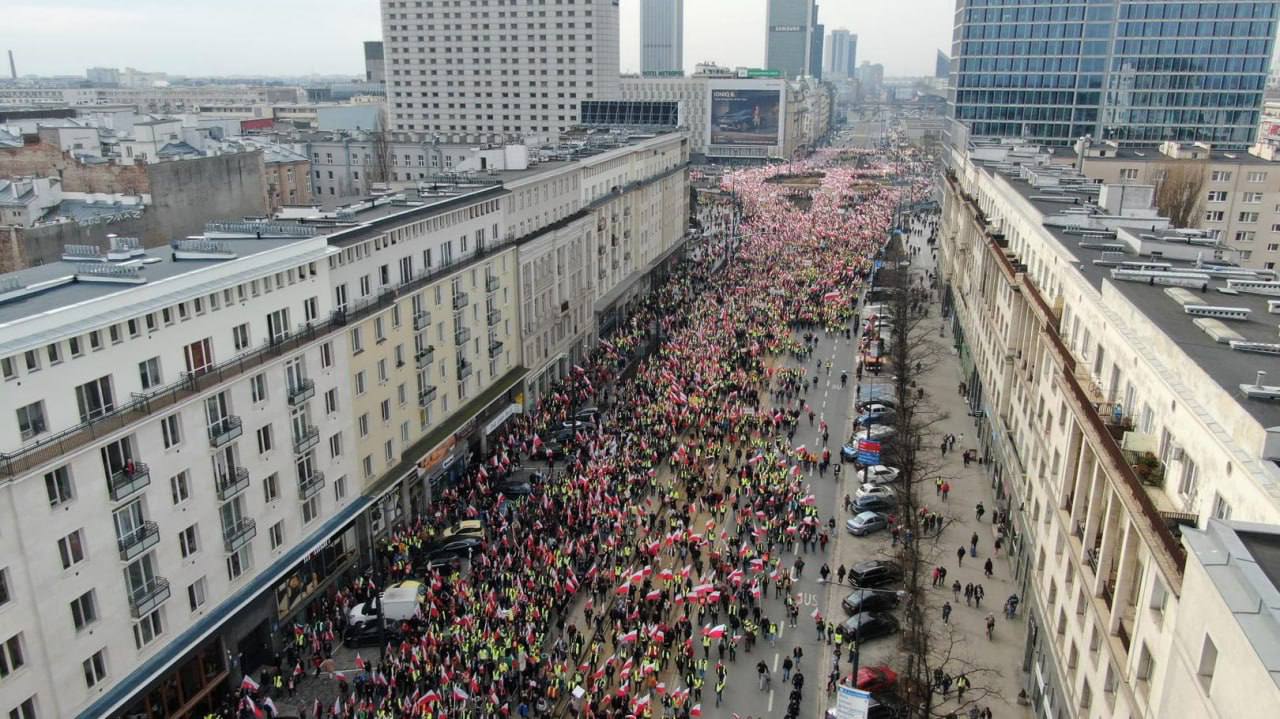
pixel 461 336
pixel 124 483
pixel 239 534
pixel 494 317
pixel 309 438
pixel 143 537
pixel 427 396
pixel 231 483
pixel 495 347
pixel 300 392
pixel 144 599
pixel 421 321
pixel 425 357
pixel 464 369
pixel 460 300
pixel 308 486
pixel 224 430
pixel 491 283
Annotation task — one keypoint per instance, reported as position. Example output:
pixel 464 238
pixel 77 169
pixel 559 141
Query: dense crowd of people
pixel 663 523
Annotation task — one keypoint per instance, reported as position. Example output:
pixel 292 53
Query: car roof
pixel 867 516
pixel 869 564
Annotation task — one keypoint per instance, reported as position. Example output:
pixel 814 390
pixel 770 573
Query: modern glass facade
pixel 1136 71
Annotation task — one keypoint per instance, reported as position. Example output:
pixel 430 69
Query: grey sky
pixel 299 37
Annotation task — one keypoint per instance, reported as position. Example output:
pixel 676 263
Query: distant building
pixel 841 52
pixel 661 36
pixel 583 53
pixel 942 66
pixel 871 77
pixel 788 45
pixel 374 65
pixel 816 37
pixel 107 76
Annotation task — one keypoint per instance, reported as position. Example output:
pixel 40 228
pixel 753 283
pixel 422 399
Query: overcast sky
pixel 299 37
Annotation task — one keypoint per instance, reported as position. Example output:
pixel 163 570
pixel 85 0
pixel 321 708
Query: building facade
pixel 661 36
pixel 375 70
pixel 524 79
pixel 841 54
pixel 788 44
pixel 1112 429
pixel 1136 72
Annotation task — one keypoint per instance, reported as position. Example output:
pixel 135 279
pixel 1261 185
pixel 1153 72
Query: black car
pixel 516 488
pixel 368 634
pixel 873 503
pixel 863 600
pixel 875 573
pixel 461 547
pixel 884 707
pixel 869 625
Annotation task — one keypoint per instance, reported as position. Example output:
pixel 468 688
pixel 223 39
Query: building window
pixel 339 494
pixel 331 401
pixel 1129 173
pixel 171 431
pixel 239 562
pixel 196 594
pixel 59 487
pixel 276 533
pixel 1252 198
pixel 326 355
pixel 1214 216
pixel 264 439
pixel 360 383
pixel 1244 236
pixel 84 610
pixel 1220 176
pixel 240 335
pixel 7 368
pixel 1256 177
pixel 5 596
pixel 1218 196
pixel 1221 508
pixel 95 669
pixel 71 549
pixel 1247 218
pixel 363 424
pixel 271 487
pixel 335 445
pixel 148 628
pixel 189 541
pixel 258 387
pixel 180 487
pixel 1208 663
pixel 149 373
pixel 11 657
pixel 25 710
pixel 310 509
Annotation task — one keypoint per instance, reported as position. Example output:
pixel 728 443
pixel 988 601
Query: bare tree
pixel 380 171
pixel 1180 190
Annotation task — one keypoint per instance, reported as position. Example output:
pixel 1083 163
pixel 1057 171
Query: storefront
pixel 315 574
pixel 192 689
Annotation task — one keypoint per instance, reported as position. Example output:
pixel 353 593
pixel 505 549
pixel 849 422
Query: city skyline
pixel 130 34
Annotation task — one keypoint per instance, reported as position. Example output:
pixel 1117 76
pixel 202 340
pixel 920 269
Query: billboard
pixel 745 117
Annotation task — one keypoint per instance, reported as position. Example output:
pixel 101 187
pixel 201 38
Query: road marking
pixel 775 660
pixel 770 707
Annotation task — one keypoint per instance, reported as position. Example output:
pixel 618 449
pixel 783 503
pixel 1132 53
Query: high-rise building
pixel 661 36
pixel 520 82
pixel 942 66
pixel 788 46
pixel 1136 72
pixel 840 51
pixel 816 36
pixel 374 65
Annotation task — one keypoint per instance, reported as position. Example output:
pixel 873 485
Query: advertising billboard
pixel 744 117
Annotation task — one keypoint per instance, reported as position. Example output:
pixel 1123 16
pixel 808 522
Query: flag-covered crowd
pixel 638 563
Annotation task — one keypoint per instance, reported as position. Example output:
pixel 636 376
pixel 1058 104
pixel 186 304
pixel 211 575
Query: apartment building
pixel 1238 192
pixel 1123 421
pixel 153 472
pixel 330 371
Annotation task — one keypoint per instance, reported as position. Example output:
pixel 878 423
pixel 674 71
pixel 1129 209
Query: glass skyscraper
pixel 1135 71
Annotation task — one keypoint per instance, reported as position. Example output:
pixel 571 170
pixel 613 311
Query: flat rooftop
pixel 1228 367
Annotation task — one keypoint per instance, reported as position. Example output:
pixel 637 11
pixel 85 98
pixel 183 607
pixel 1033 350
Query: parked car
pixel 862 600
pixel 875 504
pixel 876 679
pixel 871 489
pixel 463 547
pixel 866 523
pixel 869 625
pixel 875 573
pixel 874 417
pixel 866 404
pixel 590 415
pixel 881 433
pixel 516 488
pixel 460 530
pixel 876 474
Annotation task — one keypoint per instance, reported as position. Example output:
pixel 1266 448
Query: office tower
pixel 374 65
pixel 788 46
pixel 941 66
pixel 661 36
pixel 816 36
pixel 840 49
pixel 1135 72
pixel 522 80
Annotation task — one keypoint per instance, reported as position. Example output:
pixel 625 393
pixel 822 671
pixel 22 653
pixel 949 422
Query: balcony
pixel 495 348
pixel 139 540
pixel 464 370
pixel 427 396
pixel 307 439
pixel 232 482
pixel 460 300
pixel 124 483
pixel 302 391
pixel 239 534
pixel 224 430
pixel 494 317
pixel 309 486
pixel 421 321
pixel 425 357
pixel 491 283
pixel 461 336
pixel 144 600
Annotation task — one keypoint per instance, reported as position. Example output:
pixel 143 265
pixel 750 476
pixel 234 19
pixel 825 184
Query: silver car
pixel 866 523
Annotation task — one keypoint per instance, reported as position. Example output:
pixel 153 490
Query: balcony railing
pixel 421 321
pixel 232 482
pixel 239 534
pixel 427 396
pixel 308 439
pixel 224 431
pixel 302 391
pixel 124 483
pixel 139 540
pixel 425 357
pixel 495 348
pixel 145 599
pixel 464 370
pixel 494 317
pixel 460 300
pixel 308 486
pixel 461 336
pixel 491 283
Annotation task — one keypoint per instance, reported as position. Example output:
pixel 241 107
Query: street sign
pixel 868 452
pixel 852 703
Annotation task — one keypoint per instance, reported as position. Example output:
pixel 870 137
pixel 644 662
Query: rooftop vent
pixel 83 253
pixel 201 249
pixel 1217 312
pixel 1256 287
pixel 1257 390
pixel 113 274
pixel 1267 348
pixel 1172 279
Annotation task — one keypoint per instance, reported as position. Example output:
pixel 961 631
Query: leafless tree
pixel 1180 190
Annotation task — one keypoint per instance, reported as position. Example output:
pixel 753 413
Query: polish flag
pixel 666 574
pixel 809 500
pixel 460 695
pixel 653 596
pixel 696 711
pixel 622 591
pixel 831 296
pixel 629 637
pixel 684 573
pixel 714 632
pixel 249 683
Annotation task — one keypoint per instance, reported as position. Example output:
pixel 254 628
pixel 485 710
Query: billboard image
pixel 744 117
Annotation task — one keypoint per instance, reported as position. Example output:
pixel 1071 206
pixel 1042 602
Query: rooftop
pixel 1195 288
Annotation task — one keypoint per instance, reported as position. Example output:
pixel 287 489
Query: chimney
pixel 13 69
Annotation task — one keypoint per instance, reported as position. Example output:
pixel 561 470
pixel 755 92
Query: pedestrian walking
pixel 968 594
pixel 991 626
pixel 973 544
pixel 946 612
pixel 987 567
pixel 960 557
pixel 956 589
pixel 979 511
pixel 978 595
pixel 962 684
pixel 787 664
